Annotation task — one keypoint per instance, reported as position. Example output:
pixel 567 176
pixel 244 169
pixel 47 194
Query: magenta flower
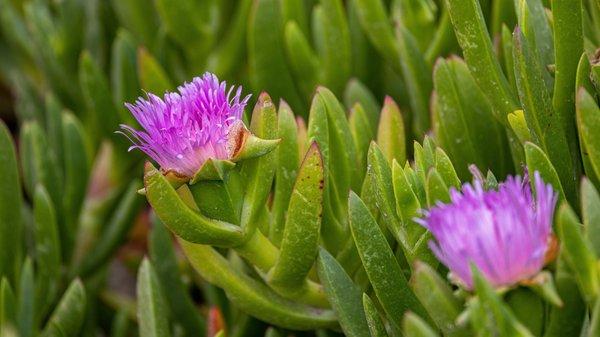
pixel 504 233
pixel 186 128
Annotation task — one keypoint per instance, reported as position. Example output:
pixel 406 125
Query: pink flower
pixel 186 128
pixel 504 233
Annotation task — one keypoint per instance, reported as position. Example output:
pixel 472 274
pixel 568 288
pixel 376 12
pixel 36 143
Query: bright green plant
pixel 314 225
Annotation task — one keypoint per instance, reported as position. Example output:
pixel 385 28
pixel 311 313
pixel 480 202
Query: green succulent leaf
pixel 8 304
pixel 489 315
pixel 418 80
pixel 151 309
pixel 568 319
pixel 68 316
pixel 588 120
pixel 252 296
pixel 415 326
pixel 335 50
pixel 374 20
pixel 391 136
pixel 304 63
pixel 578 253
pixel 546 127
pixel 117 227
pixel 267 62
pixel 287 170
pixel 345 297
pixel 436 296
pixel 387 279
pixel 537 161
pixel 590 211
pixel 181 219
pixel 152 77
pixel 76 168
pixel 164 260
pixel 473 37
pixel 26 312
pixel 302 226
pixel 47 247
pixel 357 92
pixel 376 325
pixel 10 207
pixel 259 172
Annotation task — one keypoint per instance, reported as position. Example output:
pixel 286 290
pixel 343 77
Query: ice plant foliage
pixel 505 233
pixel 185 128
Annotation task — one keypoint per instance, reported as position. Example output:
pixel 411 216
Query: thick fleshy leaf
pixel 379 170
pixel 332 26
pixel 473 37
pixel 258 173
pixel 546 127
pixel 489 315
pixel 387 279
pixel 446 169
pixel 151 74
pixel 436 189
pixel 568 46
pixel 568 319
pixel 578 253
pixel 302 226
pixel 418 80
pixel 407 203
pixel 391 136
pixel 528 308
pixel 319 131
pixel 361 132
pixel 590 211
pixel 8 305
pixel 47 247
pixel 415 326
pixel 538 161
pixel 26 312
pixel 374 20
pixel 304 63
pixel 287 169
pixel 252 296
pixel 68 316
pixel 436 296
pixel 357 92
pixel 124 81
pixel 188 23
pixel 115 231
pixel 230 52
pixel 10 207
pixel 76 168
pixel 467 121
pixel 183 221
pixel 94 85
pixel 167 271
pixel 588 122
pixel 267 63
pixel 345 297
pixel 152 311
pixel 40 167
pixel 137 17
pixel 376 325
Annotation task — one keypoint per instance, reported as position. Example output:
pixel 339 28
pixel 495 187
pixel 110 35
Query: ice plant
pixel 505 233
pixel 186 128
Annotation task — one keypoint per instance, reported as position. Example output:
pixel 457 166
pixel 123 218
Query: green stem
pixel 259 251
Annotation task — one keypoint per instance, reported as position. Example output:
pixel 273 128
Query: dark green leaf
pixel 10 207
pixel 152 311
pixel 387 279
pixel 345 297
